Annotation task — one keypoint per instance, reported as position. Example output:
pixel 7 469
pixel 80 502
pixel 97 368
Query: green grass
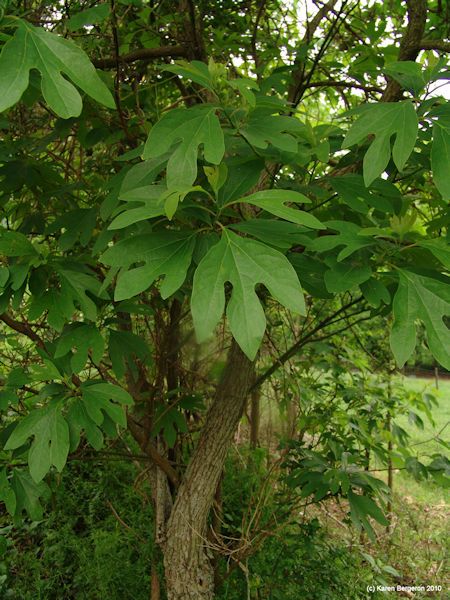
pixel 424 441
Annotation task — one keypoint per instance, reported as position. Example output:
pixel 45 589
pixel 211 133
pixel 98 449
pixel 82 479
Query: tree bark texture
pixel 188 570
pixel 255 418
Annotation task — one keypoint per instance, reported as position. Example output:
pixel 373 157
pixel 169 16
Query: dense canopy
pixel 191 193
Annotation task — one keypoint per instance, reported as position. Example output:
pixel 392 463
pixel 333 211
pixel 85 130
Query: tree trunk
pixel 189 573
pixel 255 418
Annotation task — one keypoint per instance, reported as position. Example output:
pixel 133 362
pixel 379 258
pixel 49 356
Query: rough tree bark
pixel 255 417
pixel 189 573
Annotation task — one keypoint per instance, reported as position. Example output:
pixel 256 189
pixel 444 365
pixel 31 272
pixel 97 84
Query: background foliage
pixel 179 177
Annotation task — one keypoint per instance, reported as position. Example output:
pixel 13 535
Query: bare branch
pixel 344 84
pixel 279 362
pixel 439 45
pixel 144 54
pixel 22 327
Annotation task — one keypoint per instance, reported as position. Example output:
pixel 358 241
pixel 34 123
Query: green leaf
pixel 35 48
pixel 244 87
pixel 4 275
pixel 343 276
pixel 216 176
pixel 75 283
pixel 27 494
pixel 348 237
pixel 362 507
pixel 440 248
pixel 408 74
pixel 384 120
pixel 169 421
pixel 244 263
pixel 7 398
pixel 375 292
pixel 79 420
pixel 195 71
pixel 172 198
pixel 423 298
pixel 263 129
pixel 109 391
pixel 166 253
pixel 142 174
pixel 242 176
pixel 440 152
pixel 124 348
pixel 90 16
pixel 311 273
pixel 416 468
pixel 51 440
pixel 102 399
pixel 275 233
pixel 7 494
pixel 45 372
pixel 273 201
pixel 190 128
pixel 83 341
pixel 353 192
pixel 13 243
pixel 152 197
pixel 77 224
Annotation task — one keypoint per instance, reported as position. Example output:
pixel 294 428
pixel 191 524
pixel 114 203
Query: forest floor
pixel 417 544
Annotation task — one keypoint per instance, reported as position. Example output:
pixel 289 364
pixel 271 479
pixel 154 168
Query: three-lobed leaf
pixel 245 264
pixel 50 445
pixel 83 341
pixel 102 399
pixel 167 253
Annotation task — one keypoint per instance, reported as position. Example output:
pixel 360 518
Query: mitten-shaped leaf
pixel 423 298
pixel 35 48
pixel 191 128
pixel 383 121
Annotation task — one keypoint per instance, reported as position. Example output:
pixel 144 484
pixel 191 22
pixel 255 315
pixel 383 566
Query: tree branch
pixel 23 328
pixel 144 54
pixel 350 84
pixel 440 45
pixel 410 44
pixel 158 459
pixel 299 344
